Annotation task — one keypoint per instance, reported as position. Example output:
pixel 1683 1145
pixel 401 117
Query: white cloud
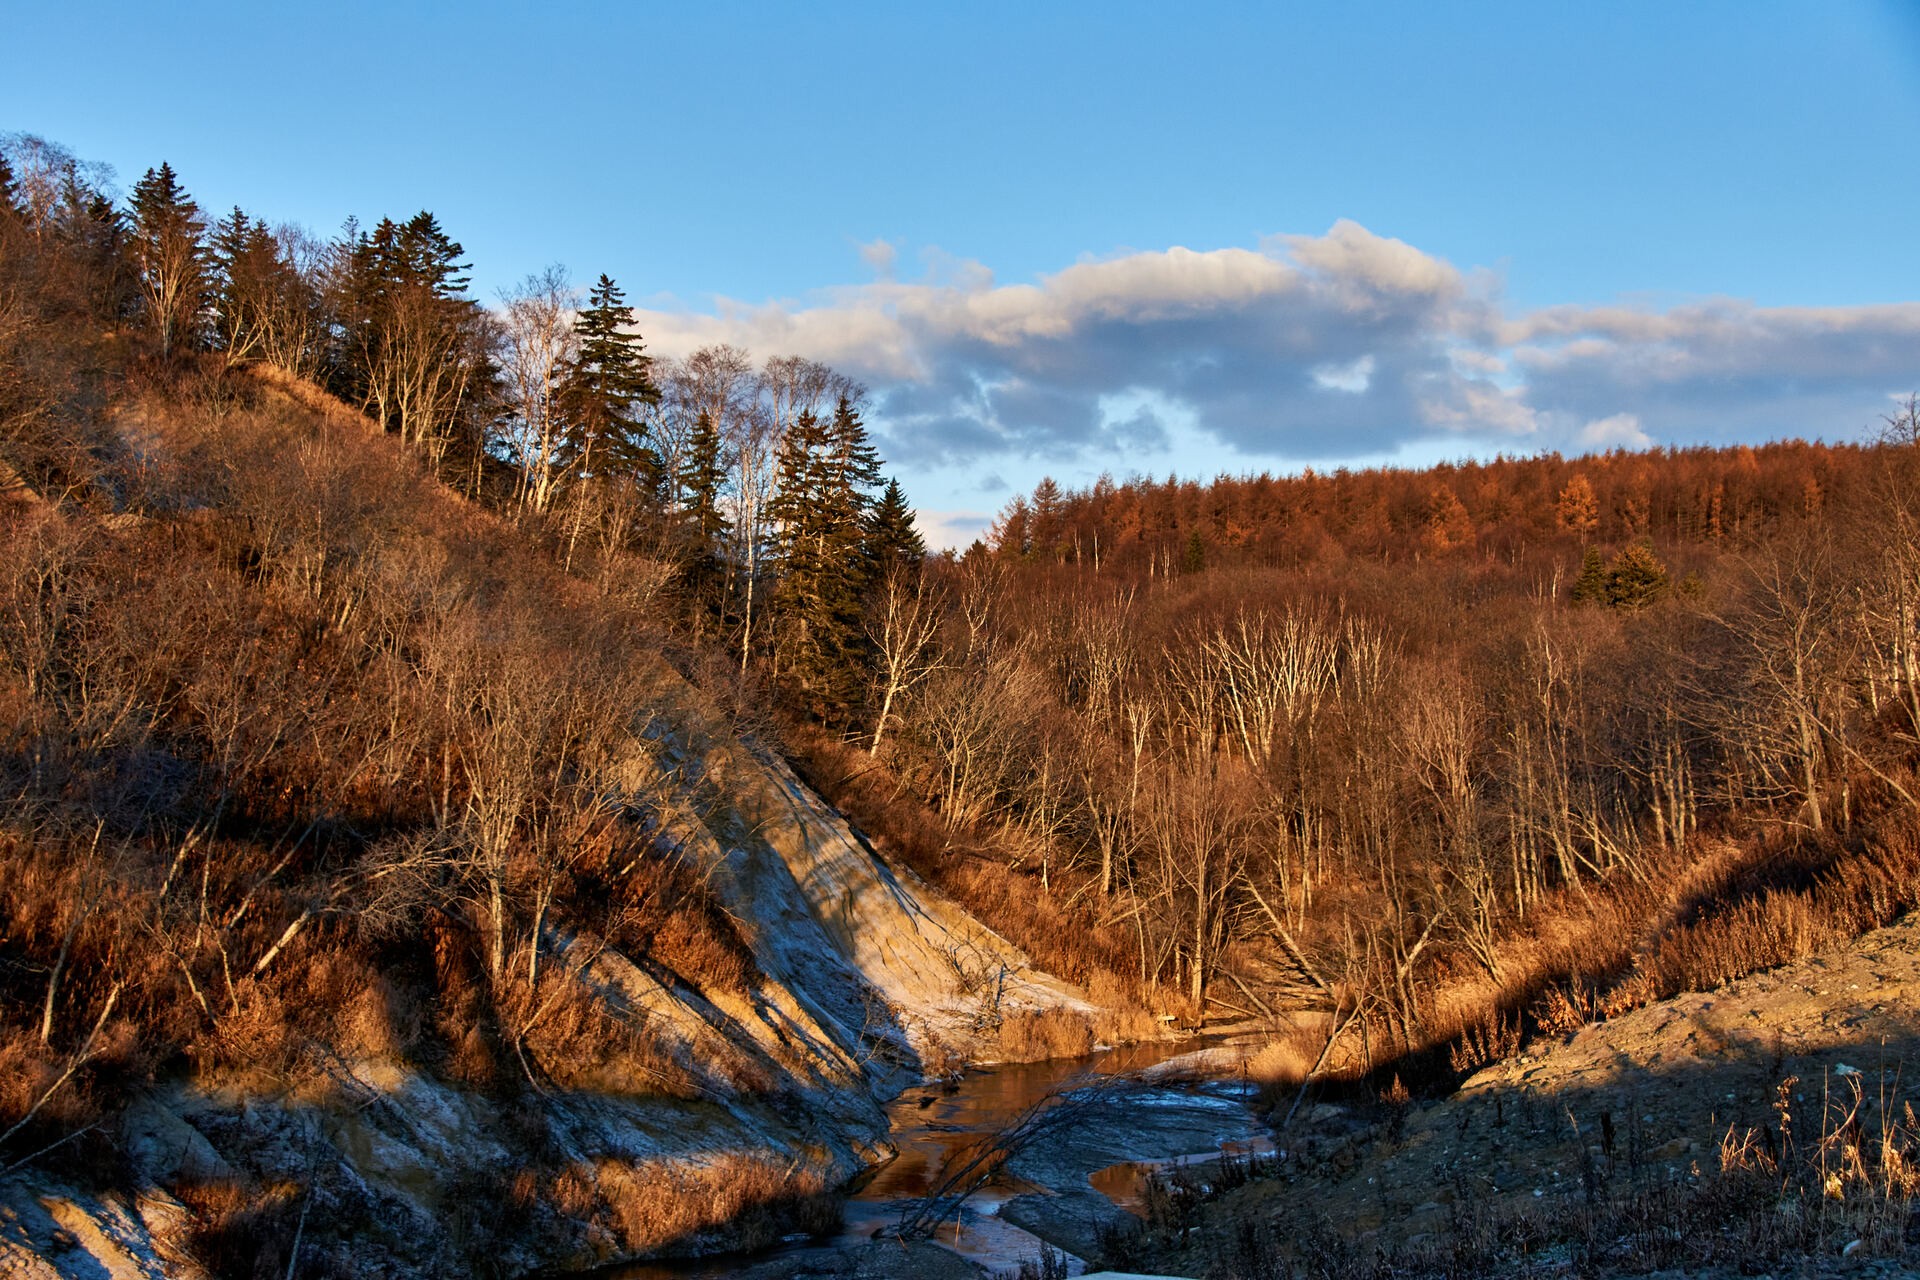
pixel 1356 257
pixel 1304 349
pixel 1353 377
pixel 1620 431
pixel 951 529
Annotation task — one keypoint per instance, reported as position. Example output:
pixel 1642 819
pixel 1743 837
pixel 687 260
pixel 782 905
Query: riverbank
pixel 1766 1125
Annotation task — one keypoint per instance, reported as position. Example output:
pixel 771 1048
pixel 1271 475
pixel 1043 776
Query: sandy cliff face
pixel 869 981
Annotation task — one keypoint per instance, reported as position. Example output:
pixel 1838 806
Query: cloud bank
pixel 1305 349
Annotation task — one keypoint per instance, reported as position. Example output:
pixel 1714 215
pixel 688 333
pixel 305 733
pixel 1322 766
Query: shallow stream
pixel 1061 1191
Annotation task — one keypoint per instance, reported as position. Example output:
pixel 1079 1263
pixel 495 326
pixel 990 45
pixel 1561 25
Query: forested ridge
pixel 330 591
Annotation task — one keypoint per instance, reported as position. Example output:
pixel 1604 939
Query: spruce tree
pixel 826 468
pixel 9 191
pixel 169 257
pixel 409 343
pixel 1636 578
pixel 1591 586
pixel 1194 559
pixel 891 538
pixel 1045 532
pixel 701 478
pixel 855 465
pixel 250 281
pixel 602 392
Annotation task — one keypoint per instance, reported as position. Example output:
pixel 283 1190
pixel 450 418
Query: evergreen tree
pixel 825 468
pixel 170 257
pixel 701 478
pixel 855 465
pixel 250 282
pixel 1636 578
pixel 602 392
pixel 1045 531
pixel 1194 559
pixel 410 346
pixel 93 233
pixel 1591 586
pixel 9 192
pixel 891 538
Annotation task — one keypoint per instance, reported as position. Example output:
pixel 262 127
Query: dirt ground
pixel 1630 1112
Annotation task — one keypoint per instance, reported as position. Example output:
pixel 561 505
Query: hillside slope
pixel 703 980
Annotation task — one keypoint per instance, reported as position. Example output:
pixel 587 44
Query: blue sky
pixel 1073 238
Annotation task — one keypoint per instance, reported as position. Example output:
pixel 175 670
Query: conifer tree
pixel 602 393
pixel 93 233
pixel 1044 520
pixel 826 468
pixel 855 465
pixel 9 192
pixel 410 345
pixel 1010 536
pixel 891 538
pixel 1448 526
pixel 250 283
pixel 701 478
pixel 169 253
pixel 1194 558
pixel 1636 578
pixel 1591 586
pixel 1578 511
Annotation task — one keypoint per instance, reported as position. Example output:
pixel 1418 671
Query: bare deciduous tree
pixel 902 625
pixel 537 341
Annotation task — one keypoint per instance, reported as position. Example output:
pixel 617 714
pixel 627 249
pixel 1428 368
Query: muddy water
pixel 1045 1195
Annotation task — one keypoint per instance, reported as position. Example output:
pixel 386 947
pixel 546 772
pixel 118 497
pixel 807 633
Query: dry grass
pixel 649 905
pixel 1036 1034
pixel 1731 909
pixel 733 1201
pixel 242 1231
pixel 1282 1063
pixel 1123 1017
pixel 1846 1187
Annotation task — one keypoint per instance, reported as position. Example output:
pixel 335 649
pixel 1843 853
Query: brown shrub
pixel 1733 942
pixel 254 1032
pixel 572 1037
pixel 28 1069
pixel 647 903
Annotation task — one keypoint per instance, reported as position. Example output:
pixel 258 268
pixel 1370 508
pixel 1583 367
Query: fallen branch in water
pixel 971 1167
